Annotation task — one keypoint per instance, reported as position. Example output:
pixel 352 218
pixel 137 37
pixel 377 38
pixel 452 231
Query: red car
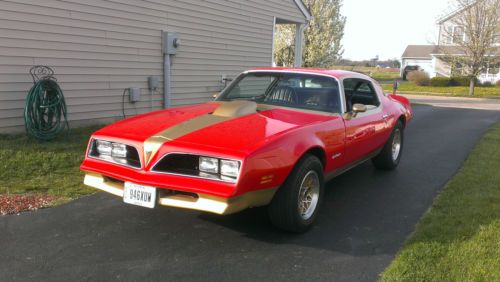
pixel 272 137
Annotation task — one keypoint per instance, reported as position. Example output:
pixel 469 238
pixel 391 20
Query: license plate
pixel 139 195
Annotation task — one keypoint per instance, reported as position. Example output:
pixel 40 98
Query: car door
pixel 364 131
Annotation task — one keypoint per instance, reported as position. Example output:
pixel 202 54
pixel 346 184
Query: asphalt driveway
pixel 367 215
pixel 456 102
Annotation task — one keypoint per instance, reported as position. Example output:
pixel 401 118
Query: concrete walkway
pixel 456 102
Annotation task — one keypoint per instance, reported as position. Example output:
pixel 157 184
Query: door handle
pixel 386 116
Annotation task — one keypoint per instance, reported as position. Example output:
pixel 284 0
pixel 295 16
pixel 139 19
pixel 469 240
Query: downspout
pixel 170 44
pixel 167 90
pixel 299 43
pixel 272 42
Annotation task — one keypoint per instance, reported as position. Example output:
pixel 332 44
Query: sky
pixel 386 27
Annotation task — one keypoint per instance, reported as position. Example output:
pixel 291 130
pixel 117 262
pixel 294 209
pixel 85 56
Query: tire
pixel 389 157
pixel 288 210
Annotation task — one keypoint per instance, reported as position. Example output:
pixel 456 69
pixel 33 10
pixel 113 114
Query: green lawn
pixel 456 91
pixel 52 167
pixel 458 239
pixel 380 74
pixel 385 75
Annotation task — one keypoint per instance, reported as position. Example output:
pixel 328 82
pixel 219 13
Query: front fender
pixel 270 165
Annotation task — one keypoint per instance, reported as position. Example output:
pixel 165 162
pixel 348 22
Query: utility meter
pixel 171 42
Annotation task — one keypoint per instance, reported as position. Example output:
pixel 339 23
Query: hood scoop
pixel 235 109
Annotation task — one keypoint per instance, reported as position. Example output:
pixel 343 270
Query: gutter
pixel 304 10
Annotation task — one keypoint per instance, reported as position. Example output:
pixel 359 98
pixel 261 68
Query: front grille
pixel 179 164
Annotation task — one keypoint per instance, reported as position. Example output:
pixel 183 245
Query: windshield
pixel 294 90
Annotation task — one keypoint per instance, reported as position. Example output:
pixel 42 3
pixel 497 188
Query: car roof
pixel 339 74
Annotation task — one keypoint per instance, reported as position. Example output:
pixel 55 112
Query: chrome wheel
pixel 308 194
pixel 396 144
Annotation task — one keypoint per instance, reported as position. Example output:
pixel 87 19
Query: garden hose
pixel 45 114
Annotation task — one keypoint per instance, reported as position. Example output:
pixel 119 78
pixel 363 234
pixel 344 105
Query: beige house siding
pixel 97 48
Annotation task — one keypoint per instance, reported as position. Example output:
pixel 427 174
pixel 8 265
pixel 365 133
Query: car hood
pixel 241 128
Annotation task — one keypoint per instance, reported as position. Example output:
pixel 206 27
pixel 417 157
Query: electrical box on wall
pixel 171 42
pixel 153 83
pixel 134 94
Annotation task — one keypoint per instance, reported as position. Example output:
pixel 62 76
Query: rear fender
pixel 401 99
pixel 408 111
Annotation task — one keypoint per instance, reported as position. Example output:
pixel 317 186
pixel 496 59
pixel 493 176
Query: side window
pixel 364 87
pixel 349 84
pixel 360 91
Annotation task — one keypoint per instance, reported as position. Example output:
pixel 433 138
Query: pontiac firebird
pixel 272 138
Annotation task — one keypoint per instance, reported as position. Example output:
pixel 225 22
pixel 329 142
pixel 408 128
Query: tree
pixel 475 30
pixel 322 37
pixel 284 45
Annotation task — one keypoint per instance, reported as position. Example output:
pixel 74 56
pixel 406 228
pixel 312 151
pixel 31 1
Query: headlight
pixel 114 152
pixel 215 168
pixel 103 147
pixel 210 165
pixel 119 150
pixel 229 168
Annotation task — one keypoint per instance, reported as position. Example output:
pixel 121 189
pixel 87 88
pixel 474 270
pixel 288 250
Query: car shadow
pixel 352 218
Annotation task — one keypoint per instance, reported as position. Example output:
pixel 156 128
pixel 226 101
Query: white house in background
pixel 421 56
pixel 427 57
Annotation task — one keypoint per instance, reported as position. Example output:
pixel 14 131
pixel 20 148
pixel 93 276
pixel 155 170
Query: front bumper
pixel 194 201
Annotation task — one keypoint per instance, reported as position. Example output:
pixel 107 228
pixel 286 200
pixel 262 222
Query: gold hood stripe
pixel 226 111
pixel 153 143
pixel 189 126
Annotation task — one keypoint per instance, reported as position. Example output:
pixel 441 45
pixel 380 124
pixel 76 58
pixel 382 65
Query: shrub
pixel 498 83
pixel 487 84
pixel 462 81
pixel 419 78
pixel 440 81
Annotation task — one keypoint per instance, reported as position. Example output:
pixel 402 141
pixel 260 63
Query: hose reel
pixel 45 112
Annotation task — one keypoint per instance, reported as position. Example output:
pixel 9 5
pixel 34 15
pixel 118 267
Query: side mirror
pixel 358 108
